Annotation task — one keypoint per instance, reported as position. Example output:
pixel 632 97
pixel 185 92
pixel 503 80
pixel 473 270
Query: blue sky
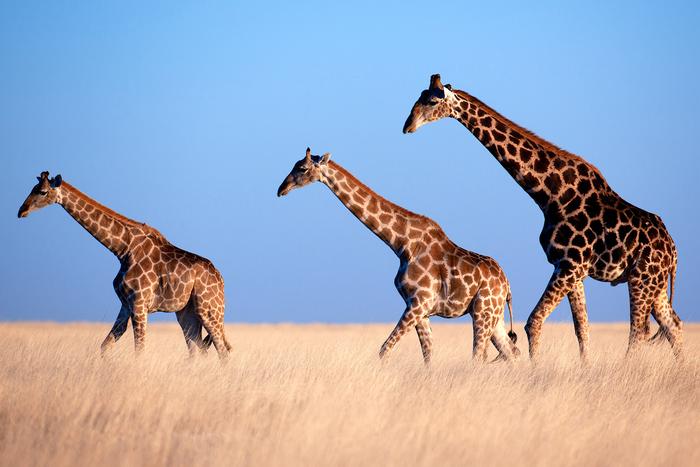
pixel 188 115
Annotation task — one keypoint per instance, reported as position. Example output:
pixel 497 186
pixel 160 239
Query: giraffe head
pixel 44 193
pixel 305 171
pixel 433 104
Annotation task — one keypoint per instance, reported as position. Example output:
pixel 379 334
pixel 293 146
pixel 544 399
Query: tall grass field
pixel 294 395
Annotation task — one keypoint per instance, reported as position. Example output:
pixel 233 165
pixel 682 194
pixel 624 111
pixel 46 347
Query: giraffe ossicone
pixel 155 275
pixel 589 230
pixel 435 278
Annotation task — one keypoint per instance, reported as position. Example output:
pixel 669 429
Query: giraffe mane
pixel 112 213
pixel 403 211
pixel 529 134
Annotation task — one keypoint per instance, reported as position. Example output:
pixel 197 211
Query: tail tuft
pixel 509 298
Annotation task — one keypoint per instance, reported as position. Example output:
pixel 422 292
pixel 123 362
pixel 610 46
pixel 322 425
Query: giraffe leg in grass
pixel 669 323
pixel 560 284
pixel 407 321
pixel 118 329
pixel 191 329
pixel 425 338
pixel 579 313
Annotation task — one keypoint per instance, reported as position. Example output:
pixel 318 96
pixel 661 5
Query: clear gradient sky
pixel 188 115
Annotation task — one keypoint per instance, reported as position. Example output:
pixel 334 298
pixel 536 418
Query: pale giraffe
pixel 155 275
pixel 589 230
pixel 436 277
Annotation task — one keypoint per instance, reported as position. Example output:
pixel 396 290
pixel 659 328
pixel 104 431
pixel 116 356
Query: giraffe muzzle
pixel 409 126
pixel 284 189
pixel 23 212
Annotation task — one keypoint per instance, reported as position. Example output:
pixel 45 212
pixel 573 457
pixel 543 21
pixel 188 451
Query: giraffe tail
pixel 513 336
pixel 672 273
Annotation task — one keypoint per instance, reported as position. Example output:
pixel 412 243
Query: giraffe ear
pixel 308 154
pixel 435 82
pixel 56 181
pixel 449 86
pixel 326 157
pixel 44 176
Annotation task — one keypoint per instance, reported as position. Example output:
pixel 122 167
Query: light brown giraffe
pixel 436 277
pixel 589 230
pixel 155 275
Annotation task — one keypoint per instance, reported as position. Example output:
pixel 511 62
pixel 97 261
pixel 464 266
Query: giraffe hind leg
pixel 643 291
pixel 213 321
pixel 661 333
pixel 504 344
pixel 670 325
pixel 483 329
pixel 191 329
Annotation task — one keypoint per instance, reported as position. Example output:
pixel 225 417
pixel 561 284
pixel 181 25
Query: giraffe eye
pixel 43 193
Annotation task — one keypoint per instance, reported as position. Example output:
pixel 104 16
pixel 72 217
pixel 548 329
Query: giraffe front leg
pixel 577 301
pixel 560 284
pixel 426 339
pixel 409 319
pixel 118 329
pixel 139 319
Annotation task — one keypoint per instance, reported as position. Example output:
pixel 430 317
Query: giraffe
pixel 589 230
pixel 154 275
pixel 435 277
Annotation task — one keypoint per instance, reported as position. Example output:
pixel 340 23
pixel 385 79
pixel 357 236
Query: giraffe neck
pixel 110 228
pixel 542 169
pixel 391 223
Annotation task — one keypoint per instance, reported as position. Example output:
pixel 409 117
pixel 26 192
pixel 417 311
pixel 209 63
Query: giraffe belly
pixel 456 304
pixel 173 294
pixel 614 273
pixel 173 302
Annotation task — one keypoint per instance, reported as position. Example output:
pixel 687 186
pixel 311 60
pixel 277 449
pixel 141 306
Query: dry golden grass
pixel 317 395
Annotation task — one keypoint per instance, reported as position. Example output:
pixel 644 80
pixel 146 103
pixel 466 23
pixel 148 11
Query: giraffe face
pixel 43 193
pixel 305 171
pixel 433 104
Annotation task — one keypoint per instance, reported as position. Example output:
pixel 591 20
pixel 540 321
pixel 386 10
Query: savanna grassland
pixel 317 395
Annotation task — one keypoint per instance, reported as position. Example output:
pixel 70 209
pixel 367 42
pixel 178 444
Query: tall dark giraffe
pixel 589 230
pixel 155 275
pixel 436 277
